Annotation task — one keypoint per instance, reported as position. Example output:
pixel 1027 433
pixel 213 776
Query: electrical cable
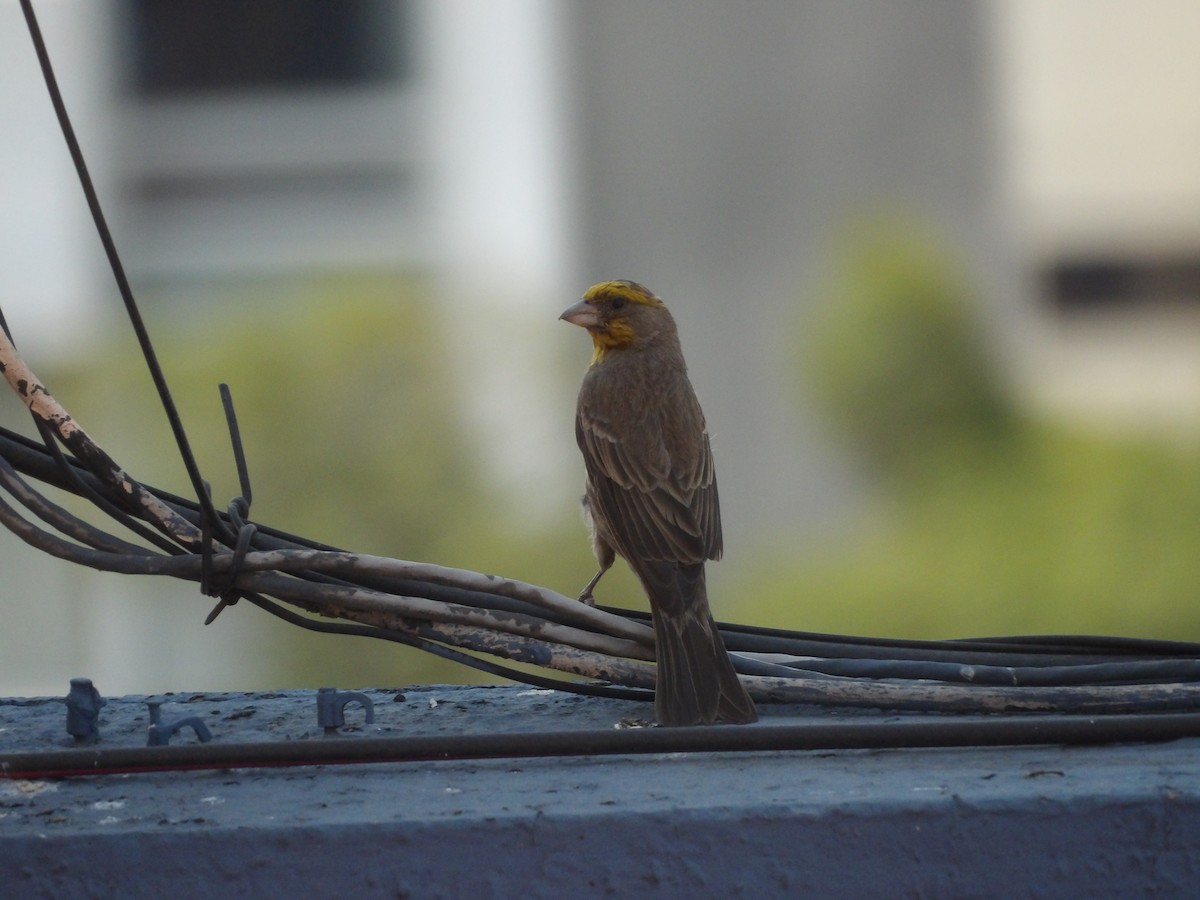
pixel 593 689
pixel 1008 731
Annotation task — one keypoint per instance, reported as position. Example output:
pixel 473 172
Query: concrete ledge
pixel 1050 821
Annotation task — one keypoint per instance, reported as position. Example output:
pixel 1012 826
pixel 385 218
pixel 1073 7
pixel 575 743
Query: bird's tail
pixel 696 682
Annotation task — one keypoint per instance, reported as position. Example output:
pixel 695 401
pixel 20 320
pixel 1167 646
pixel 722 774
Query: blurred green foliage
pixel 347 395
pixel 985 521
pixel 896 357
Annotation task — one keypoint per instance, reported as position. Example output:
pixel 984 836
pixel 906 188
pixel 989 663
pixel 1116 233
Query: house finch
pixel 652 494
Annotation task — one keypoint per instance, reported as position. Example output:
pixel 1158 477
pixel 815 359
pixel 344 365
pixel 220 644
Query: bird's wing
pixel 653 504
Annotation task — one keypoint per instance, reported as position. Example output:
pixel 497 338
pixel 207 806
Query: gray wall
pixel 726 146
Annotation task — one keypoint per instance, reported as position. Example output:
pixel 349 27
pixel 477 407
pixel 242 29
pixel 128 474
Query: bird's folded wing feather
pixel 660 507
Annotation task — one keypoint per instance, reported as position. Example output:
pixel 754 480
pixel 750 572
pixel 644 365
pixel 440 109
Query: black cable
pixel 1009 731
pixel 1024 651
pixel 1128 672
pixel 58 518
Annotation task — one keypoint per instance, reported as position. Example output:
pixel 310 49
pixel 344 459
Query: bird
pixel 651 494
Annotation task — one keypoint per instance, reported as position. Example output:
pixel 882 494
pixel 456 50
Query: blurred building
pixel 517 152
pixel 1100 147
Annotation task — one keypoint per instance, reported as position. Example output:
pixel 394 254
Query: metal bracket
pixel 159 735
pixel 331 708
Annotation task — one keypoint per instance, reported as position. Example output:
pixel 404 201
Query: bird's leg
pixel 585 596
pixel 605 554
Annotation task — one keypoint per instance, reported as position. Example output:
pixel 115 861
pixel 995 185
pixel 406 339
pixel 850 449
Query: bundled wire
pixel 475 619
pixel 486 621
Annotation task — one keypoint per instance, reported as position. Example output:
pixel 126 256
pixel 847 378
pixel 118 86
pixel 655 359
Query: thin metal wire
pixel 118 270
pixel 239 453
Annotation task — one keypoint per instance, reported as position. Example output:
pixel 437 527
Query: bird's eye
pixel 618 302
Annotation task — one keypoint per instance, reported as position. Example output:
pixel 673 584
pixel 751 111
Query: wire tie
pixel 228 593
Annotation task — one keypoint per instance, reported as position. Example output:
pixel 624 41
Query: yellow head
pixel 618 314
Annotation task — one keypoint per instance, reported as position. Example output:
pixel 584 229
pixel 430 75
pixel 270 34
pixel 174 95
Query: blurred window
pixel 231 45
pixel 264 135
pixel 1112 282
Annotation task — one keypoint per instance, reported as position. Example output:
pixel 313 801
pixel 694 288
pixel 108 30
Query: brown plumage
pixel 652 494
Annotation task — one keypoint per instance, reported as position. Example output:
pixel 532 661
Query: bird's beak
pixel 582 314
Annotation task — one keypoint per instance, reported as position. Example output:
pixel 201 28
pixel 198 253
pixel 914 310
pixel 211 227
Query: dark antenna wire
pixel 118 270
